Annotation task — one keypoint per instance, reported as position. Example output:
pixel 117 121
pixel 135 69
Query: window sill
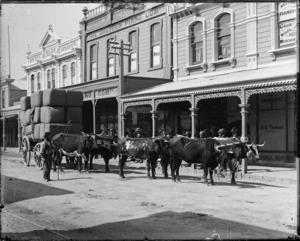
pixel 155 68
pixel 196 66
pixel 133 72
pixel 231 60
pixel 274 52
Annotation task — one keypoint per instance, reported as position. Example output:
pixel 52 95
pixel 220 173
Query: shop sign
pixel 286 10
pixel 106 93
pixel 287 32
pixel 88 96
pixel 128 22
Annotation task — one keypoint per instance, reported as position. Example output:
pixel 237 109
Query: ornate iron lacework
pixel 168 100
pixel 218 95
pixel 145 102
pixel 269 90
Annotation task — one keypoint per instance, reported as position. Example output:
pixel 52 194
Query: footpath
pixel 265 174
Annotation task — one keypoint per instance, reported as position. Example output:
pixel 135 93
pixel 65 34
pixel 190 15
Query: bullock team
pixel 222 152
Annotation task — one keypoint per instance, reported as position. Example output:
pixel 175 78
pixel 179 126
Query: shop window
pixel 48 79
pixel 155 45
pixel 32 83
pixel 133 52
pixel 285 29
pixel 93 62
pixel 53 78
pixel 196 43
pixel 64 74
pixel 111 68
pixel 73 73
pixel 38 78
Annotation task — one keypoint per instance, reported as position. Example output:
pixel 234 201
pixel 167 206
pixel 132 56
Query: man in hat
pixel 46 153
pixel 221 133
pixel 234 132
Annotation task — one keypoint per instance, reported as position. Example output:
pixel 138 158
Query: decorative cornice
pixel 218 95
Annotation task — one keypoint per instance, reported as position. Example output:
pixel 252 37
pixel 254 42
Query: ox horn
pixel 261 144
pixel 250 144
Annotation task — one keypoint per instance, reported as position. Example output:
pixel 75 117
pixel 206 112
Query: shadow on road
pixel 15 190
pixel 164 225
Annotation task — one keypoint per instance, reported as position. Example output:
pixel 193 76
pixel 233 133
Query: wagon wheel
pixel 26 153
pixel 37 156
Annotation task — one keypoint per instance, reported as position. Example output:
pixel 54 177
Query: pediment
pixel 49 38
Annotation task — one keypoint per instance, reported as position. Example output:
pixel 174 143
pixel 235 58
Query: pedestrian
pixel 187 134
pixel 203 134
pixel 46 153
pixel 221 133
pixel 138 133
pixel 234 132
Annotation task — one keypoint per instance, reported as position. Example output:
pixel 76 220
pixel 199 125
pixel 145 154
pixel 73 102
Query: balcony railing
pixel 98 10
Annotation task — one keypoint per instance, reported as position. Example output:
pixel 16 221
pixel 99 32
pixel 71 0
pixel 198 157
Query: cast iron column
pixel 194 115
pixel 154 122
pixel 244 137
pixel 123 116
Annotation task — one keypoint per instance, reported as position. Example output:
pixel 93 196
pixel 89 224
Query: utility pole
pixel 121 54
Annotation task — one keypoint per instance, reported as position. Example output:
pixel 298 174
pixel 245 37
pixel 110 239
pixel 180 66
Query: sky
pixel 28 24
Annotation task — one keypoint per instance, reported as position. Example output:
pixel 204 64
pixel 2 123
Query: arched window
pixel 64 74
pixel 155 45
pixel 32 83
pixel 110 59
pixel 197 43
pixel 133 53
pixel 53 77
pixel 38 81
pixel 48 79
pixel 223 37
pixel 93 62
pixel 73 73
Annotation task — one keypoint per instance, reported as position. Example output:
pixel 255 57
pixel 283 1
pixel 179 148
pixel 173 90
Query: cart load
pixel 51 110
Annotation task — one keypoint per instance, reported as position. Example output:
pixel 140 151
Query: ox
pixel 232 150
pixel 140 148
pixel 77 145
pixel 104 146
pixel 193 151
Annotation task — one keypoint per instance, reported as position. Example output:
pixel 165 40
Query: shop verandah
pixel 260 103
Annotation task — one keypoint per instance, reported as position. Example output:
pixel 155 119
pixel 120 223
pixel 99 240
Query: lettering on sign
pixel 286 10
pixel 143 16
pixel 87 96
pixel 271 127
pixel 105 93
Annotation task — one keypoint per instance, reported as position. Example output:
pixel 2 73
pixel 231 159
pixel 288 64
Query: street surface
pixel 98 205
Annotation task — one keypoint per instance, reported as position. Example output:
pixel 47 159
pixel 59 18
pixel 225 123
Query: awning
pixel 236 79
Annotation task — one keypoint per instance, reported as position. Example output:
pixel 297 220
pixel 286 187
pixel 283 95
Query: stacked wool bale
pixel 50 111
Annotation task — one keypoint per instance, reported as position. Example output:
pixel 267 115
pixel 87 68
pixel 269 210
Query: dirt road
pixel 98 205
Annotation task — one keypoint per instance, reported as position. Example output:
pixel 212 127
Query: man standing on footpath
pixel 46 153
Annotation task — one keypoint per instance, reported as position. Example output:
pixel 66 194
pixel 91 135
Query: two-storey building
pixel 234 65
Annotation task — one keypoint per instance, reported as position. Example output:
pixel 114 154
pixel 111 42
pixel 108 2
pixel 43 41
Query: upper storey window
pixel 73 73
pixel 64 74
pixel 111 69
pixel 48 79
pixel 53 77
pixel 32 83
pixel 38 78
pixel 133 53
pixel 223 37
pixel 155 45
pixel 93 62
pixel 197 43
pixel 286 23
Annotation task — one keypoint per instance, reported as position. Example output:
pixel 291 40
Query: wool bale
pixel 36 115
pixel 25 103
pixel 36 131
pixel 36 99
pixel 28 130
pixel 25 117
pixel 54 97
pixel 53 128
pixel 52 114
pixel 76 128
pixel 74 114
pixel 74 98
